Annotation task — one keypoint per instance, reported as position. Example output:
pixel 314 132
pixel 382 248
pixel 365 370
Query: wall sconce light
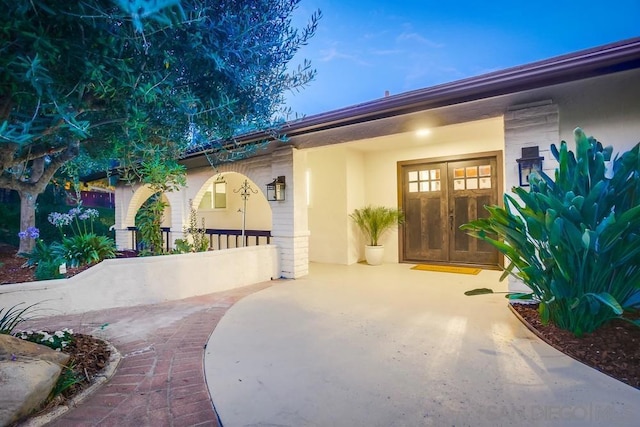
pixel 275 189
pixel 530 161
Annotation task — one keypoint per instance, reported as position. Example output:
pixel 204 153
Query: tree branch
pixel 7 153
pixel 38 186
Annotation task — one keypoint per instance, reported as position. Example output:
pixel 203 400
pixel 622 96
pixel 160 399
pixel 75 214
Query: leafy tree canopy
pixel 98 80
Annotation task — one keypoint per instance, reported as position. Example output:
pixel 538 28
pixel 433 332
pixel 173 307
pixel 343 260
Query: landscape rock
pixel 28 373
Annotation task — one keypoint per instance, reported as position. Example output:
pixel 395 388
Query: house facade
pixel 439 153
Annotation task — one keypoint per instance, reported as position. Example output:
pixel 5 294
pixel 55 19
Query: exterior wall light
pixel 529 162
pixel 275 189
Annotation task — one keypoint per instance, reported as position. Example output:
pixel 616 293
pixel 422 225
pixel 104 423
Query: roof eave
pixel 593 62
pixel 602 60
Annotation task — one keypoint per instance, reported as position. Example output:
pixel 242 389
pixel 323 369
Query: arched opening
pixel 229 203
pixel 141 196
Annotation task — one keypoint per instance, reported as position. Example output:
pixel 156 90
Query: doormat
pixel 447 269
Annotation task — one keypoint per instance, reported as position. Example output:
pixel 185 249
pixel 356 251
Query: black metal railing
pixel 233 238
pixel 219 238
pixel 135 237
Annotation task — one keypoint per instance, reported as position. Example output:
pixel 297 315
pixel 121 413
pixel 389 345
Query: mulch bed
pixel 613 349
pixel 12 268
pixel 88 357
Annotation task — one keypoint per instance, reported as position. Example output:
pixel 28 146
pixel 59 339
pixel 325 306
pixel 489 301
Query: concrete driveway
pixel 390 346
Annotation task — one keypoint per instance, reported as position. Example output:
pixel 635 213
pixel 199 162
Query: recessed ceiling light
pixel 423 132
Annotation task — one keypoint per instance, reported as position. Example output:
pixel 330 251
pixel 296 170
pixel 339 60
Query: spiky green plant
pixel 574 240
pixel 374 221
pixel 84 249
pixel 41 253
pixel 12 317
pixel 67 379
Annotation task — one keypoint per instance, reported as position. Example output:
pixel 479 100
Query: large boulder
pixel 28 373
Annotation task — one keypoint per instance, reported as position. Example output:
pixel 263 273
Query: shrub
pixel 49 232
pixel 195 237
pixel 84 246
pixel 41 253
pixel 48 270
pixel 575 241
pixel 57 340
pixel 149 221
pixel 182 246
pixel 84 249
pixel 46 258
pixel 68 378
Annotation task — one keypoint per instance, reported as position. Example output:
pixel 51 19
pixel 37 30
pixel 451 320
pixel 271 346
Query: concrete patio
pixel 346 346
pixel 390 346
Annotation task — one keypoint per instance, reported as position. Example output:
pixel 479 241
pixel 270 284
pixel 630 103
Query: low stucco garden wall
pixel 149 280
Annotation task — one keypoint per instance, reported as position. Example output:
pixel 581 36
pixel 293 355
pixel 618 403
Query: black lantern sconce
pixel 275 190
pixel 530 161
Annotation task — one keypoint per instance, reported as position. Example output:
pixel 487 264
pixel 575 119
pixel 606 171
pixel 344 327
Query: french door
pixel 437 198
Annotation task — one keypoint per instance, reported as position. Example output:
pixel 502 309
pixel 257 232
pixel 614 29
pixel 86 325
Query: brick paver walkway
pixel 160 380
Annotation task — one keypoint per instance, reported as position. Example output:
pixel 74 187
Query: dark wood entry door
pixel 437 199
pixel 425 207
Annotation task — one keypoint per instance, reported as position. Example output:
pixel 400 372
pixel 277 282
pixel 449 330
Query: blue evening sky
pixel 363 48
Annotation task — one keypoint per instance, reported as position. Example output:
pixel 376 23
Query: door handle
pixel 451 222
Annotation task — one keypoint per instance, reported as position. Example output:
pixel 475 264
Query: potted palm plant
pixel 374 221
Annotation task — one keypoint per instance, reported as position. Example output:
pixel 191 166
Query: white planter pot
pixel 374 254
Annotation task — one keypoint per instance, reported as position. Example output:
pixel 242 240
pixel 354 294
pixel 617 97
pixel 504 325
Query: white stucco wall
pixel 609 111
pixel 355 199
pixel 327 208
pixel 286 219
pixel 149 280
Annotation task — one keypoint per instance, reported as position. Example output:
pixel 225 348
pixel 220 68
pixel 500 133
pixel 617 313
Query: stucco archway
pixel 127 237
pixel 219 205
pixel 140 196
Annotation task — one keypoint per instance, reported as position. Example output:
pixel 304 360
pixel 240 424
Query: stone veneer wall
pixel 526 126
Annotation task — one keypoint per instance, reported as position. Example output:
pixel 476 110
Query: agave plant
pixel 574 240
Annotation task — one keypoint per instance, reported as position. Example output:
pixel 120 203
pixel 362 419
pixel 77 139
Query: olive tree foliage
pixel 85 84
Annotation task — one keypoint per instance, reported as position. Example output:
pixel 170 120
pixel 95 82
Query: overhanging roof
pixel 598 61
pixel 607 59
